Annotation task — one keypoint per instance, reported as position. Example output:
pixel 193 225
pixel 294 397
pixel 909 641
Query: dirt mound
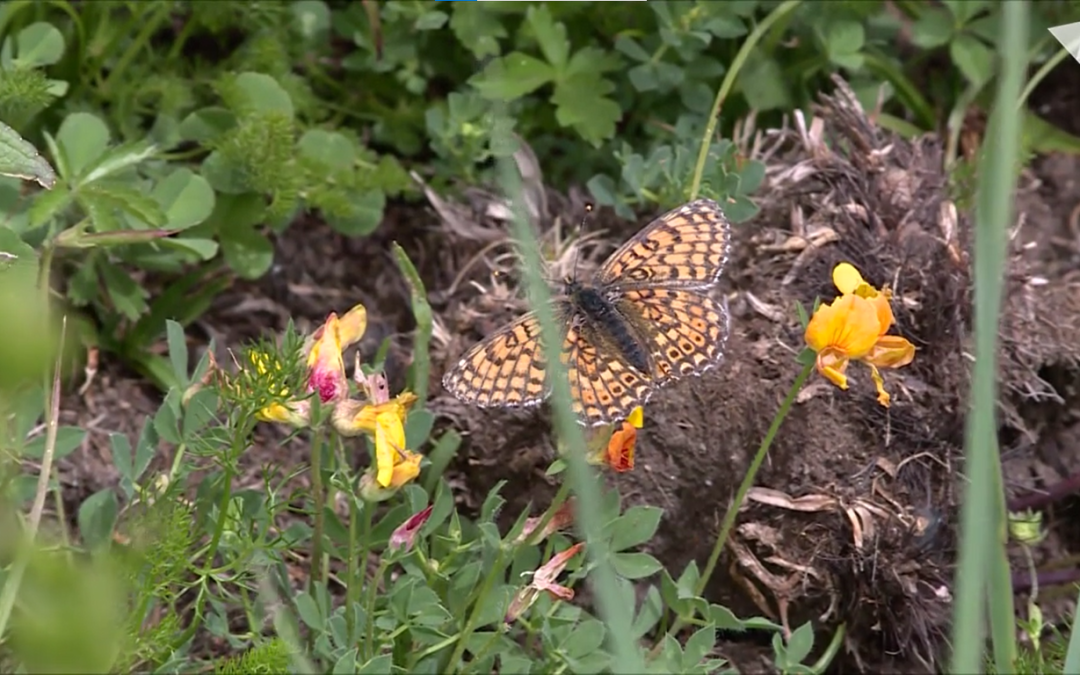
pixel 854 517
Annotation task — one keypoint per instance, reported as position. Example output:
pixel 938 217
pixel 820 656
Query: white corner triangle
pixel 1069 36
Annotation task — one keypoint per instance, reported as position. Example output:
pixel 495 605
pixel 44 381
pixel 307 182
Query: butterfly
pixel 644 320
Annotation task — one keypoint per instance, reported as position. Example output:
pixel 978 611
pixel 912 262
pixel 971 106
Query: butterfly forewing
pixel 507 369
pixel 685 247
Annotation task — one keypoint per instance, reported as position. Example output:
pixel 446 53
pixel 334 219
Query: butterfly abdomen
pixel 600 311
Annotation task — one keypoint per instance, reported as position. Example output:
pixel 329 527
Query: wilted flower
pixel 544 580
pixel 326 366
pixel 404 535
pixel 560 519
pixel 852 328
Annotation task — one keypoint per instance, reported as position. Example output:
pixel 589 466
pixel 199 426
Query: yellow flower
pixel 295 413
pixel 352 418
pixel 852 328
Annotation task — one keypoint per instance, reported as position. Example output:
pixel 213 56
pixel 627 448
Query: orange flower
pixel 544 580
pixel 615 447
pixel 852 328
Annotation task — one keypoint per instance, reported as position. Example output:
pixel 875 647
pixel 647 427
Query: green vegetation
pixel 150 148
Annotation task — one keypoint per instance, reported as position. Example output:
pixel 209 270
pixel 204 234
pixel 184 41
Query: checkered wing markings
pixel 687 247
pixel 686 330
pixel 603 387
pixel 506 369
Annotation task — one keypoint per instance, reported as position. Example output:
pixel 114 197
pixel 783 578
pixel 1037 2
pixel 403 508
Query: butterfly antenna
pixel 581 231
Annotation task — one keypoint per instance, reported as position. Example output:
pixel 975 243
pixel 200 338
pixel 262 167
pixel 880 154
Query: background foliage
pixel 184 133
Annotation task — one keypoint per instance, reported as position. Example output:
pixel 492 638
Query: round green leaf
pixel 186 197
pixel 39 44
pixel 223 176
pixel 264 93
pixel 312 18
pixel 246 251
pixel 82 139
pixel 97 515
pixel 367 213
pixel 329 147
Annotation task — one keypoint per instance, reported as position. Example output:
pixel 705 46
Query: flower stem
pixel 729 81
pixel 318 497
pixel 748 480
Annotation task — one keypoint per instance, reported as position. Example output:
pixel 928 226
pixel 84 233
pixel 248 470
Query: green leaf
pixel 635 527
pixel 178 351
pixel 97 516
pixel 207 124
pixel 764 85
pixel 68 440
pixel 635 565
pixel 1042 137
pixel 964 11
pixel 112 196
pixel 418 427
pixel 82 138
pixel 698 647
pixel 309 611
pixel 203 249
pixel 581 104
pixel 367 213
pixel 116 160
pixel 311 19
pixel 550 35
pixel 431 20
pixel 329 147
pixel 648 614
pixel 39 44
pixel 587 637
pixel 973 58
pixel 20 159
pixel 186 197
pixel 631 48
pixel 843 41
pixel 800 644
pixel 264 94
pixel 933 28
pixel 224 175
pixel 380 665
pixel 512 76
pixel 248 252
pixel 477 29
pixel 127 296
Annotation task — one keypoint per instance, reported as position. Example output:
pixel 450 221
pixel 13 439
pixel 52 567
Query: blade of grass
pixel 627 656
pixel 421 364
pixel 979 518
pixel 1072 656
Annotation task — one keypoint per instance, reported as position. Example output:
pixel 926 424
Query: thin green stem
pixel 748 480
pixel 831 651
pixel 373 592
pixel 352 582
pixel 751 474
pixel 1041 74
pixel 729 81
pixel 318 498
